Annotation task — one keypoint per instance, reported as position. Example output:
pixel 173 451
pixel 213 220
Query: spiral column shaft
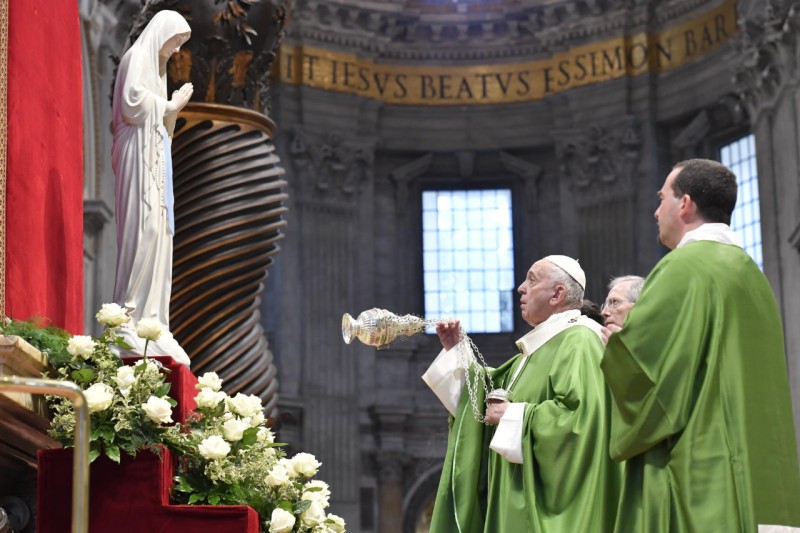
pixel 229 217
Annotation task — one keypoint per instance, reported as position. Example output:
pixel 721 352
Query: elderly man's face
pixel 536 293
pixel 617 305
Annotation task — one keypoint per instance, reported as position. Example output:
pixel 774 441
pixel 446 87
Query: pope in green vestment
pixel 545 467
pixel 701 411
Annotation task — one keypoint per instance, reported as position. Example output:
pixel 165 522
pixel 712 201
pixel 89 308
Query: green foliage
pixel 229 456
pixel 115 394
pixel 48 339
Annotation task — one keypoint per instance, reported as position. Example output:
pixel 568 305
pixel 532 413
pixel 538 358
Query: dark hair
pixel 711 185
pixel 592 310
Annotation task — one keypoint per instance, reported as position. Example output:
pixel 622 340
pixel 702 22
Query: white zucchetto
pixel 570 266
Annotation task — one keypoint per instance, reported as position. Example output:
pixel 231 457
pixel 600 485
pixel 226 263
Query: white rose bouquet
pixel 227 453
pixel 229 456
pixel 129 407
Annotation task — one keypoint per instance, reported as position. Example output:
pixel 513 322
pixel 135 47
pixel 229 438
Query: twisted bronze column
pixel 229 207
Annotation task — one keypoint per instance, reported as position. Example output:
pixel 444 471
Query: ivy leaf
pixel 84 375
pixel 218 410
pixel 113 453
pixel 163 390
pixel 122 344
pixel 285 505
pixel 94 453
pixel 108 434
pixel 194 498
pixel 183 485
pixel 301 506
pixel 213 499
pixel 249 437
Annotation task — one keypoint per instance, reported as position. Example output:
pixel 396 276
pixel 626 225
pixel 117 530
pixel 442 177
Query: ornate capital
pixel 330 167
pixel 600 162
pixel 768 53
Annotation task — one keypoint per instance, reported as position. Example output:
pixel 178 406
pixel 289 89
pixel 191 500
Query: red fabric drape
pixel 44 189
pixel 132 497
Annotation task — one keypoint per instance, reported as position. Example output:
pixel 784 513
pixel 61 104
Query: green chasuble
pixel 701 410
pixel 567 482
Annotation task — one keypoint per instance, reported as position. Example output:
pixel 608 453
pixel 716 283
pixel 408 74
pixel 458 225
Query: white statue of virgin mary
pixel 144 119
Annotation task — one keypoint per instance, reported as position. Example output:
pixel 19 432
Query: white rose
pixel 315 496
pixel 232 429
pixel 278 476
pixel 265 435
pixel 209 380
pixel 335 524
pixel 112 315
pixel 257 419
pixel 314 515
pixel 287 464
pixel 208 398
pixel 158 410
pixel 126 378
pixel 214 447
pixel 81 346
pixel 98 397
pixel 270 453
pixel 149 329
pixel 305 464
pixel 245 405
pixel 320 492
pixel 282 521
pixel 151 367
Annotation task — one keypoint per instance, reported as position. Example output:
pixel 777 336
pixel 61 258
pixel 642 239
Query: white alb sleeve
pixel 446 375
pixel 507 440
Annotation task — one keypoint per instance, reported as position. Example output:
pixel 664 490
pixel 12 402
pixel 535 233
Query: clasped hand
pixel 180 97
pixel 606 332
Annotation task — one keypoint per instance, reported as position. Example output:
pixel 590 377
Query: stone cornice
pixel 523 28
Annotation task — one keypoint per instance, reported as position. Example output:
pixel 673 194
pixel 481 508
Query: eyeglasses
pixel 613 303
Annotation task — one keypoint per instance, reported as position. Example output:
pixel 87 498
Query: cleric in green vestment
pixel 540 462
pixel 701 412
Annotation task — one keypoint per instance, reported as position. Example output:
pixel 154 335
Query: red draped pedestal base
pixel 133 496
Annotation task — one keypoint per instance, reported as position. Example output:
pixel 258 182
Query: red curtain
pixel 44 176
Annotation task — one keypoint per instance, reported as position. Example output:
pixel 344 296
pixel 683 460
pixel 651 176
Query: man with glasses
pixel 701 411
pixel 622 294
